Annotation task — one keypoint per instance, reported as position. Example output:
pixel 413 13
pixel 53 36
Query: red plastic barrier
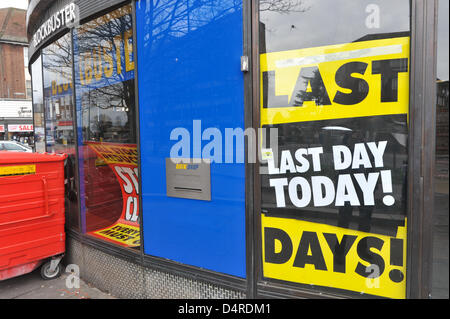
pixel 31 210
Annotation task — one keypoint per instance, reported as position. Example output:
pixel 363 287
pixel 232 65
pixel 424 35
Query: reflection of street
pixel 440 230
pixel 441 188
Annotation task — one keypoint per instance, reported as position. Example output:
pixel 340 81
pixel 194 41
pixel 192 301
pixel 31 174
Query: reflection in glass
pixel 298 24
pixel 58 88
pixel 441 207
pixel 38 106
pixel 58 103
pixel 104 75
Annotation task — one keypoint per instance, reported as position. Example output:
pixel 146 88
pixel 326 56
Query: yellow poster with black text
pixel 334 195
pixel 308 253
pixel 358 79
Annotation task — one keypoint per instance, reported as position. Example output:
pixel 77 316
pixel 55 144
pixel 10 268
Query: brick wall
pixel 12 41
pixel 12 72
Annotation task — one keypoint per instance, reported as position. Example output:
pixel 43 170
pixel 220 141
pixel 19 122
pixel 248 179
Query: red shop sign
pixel 20 128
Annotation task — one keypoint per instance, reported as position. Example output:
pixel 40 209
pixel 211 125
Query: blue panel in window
pixel 189 69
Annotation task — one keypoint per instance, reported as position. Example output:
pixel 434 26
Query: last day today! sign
pixel 363 81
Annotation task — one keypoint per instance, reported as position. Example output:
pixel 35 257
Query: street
pixel 32 286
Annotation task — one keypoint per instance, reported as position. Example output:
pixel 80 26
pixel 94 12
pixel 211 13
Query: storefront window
pixel 58 103
pixel 334 103
pixel 440 225
pixel 58 88
pixel 38 106
pixel 105 106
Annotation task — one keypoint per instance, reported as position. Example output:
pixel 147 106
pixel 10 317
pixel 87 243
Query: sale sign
pixel 334 195
pixel 122 159
pixel 20 128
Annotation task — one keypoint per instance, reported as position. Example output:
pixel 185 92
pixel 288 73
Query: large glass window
pixel 105 106
pixel 58 99
pixel 38 106
pixel 58 103
pixel 440 213
pixel 334 103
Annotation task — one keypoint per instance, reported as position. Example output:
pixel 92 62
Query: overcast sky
pixel 22 4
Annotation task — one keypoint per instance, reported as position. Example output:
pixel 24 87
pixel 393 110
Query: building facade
pixel 16 118
pixel 248 149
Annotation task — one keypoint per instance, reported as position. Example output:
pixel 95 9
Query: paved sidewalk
pixel 32 286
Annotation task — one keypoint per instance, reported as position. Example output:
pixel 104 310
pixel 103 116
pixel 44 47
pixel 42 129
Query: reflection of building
pixel 442 116
pixel 15 81
pixel 442 125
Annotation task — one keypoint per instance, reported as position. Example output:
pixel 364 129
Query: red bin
pixel 31 213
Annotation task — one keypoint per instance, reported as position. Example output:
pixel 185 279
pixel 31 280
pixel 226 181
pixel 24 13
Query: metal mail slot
pixel 185 178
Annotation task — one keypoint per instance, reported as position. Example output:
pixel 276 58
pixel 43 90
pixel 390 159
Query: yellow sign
pixel 17 170
pixel 106 60
pixel 353 80
pixel 359 79
pixel 126 235
pixel 181 166
pixel 329 256
pixel 114 153
pixel 61 85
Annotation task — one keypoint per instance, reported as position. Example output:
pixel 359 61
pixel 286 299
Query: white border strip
pixel 361 53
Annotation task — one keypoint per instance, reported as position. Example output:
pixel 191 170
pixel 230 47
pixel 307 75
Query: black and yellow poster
pixel 334 185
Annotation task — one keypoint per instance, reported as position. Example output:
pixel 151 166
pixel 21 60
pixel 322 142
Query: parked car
pixel 50 140
pixel 14 146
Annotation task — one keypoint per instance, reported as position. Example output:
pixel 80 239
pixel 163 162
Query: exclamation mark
pixel 396 259
pixel 386 182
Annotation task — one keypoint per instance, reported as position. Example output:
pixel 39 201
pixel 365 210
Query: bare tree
pixel 95 40
pixel 282 6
